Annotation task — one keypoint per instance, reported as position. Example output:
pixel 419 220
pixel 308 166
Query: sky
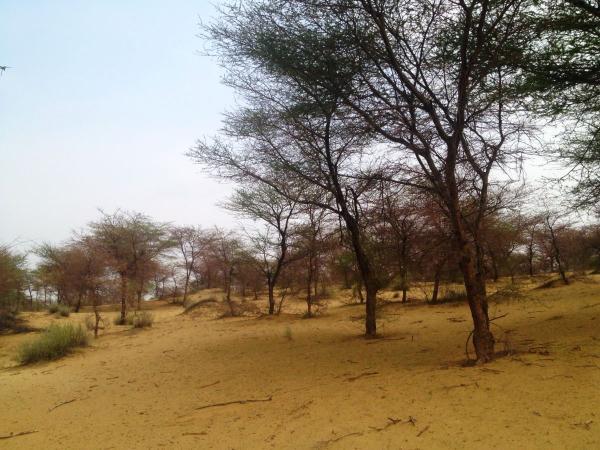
pixel 100 103
pixel 97 110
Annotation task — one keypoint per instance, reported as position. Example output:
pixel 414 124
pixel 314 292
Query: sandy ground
pixel 285 382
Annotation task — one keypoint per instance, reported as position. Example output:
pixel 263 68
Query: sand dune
pixel 284 382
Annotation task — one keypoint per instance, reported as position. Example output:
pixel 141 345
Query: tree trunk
pixel 530 259
pixel 346 279
pixel 271 297
pixel 308 286
pixel 371 306
pixel 78 305
pixel 123 297
pixel 228 291
pixel 436 284
pixel 186 286
pixel 483 339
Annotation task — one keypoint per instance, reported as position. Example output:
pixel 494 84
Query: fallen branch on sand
pixel 365 374
pixel 61 404
pixel 22 433
pixel 209 385
pixel 422 431
pixel 239 402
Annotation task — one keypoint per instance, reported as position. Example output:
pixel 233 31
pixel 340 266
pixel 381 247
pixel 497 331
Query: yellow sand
pixel 317 383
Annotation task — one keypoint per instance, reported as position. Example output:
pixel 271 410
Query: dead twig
pixel 365 374
pixel 13 435
pixel 422 431
pixel 62 404
pixel 209 385
pixel 239 402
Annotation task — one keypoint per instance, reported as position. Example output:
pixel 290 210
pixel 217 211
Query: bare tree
pixel 190 243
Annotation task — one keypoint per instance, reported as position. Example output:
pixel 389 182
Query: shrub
pixel 55 342
pixel 11 322
pixel 59 310
pixel 452 295
pixel 120 321
pixel 141 320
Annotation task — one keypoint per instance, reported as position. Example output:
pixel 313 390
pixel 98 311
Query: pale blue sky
pixel 101 103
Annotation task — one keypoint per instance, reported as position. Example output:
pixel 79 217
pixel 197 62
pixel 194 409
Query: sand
pixel 192 381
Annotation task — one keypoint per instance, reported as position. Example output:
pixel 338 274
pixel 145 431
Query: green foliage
pixel 560 66
pixel 56 342
pixel 12 278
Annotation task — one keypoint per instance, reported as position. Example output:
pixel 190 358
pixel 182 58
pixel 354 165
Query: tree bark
pixel 123 296
pixel 78 305
pixel 436 284
pixel 271 288
pixel 530 259
pixel 474 280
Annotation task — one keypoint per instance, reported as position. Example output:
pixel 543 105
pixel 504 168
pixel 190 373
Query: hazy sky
pixel 100 104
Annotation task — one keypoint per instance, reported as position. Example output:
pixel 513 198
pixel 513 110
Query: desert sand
pixel 193 381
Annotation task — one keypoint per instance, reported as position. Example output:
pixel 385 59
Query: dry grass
pixel 56 342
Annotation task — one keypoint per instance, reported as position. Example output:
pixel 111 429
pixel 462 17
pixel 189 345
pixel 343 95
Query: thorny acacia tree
pixel 293 136
pixel 261 202
pixel 132 243
pixel 190 242
pixel 561 79
pixel 426 76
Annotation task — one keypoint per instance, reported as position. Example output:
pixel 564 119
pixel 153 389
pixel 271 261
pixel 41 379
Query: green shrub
pixel 55 342
pixel 59 309
pixel 141 320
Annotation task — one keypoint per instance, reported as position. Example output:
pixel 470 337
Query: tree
pixel 190 243
pixel 309 246
pixel 262 202
pixel 560 63
pixel 423 76
pixel 554 227
pixel 291 135
pixel 132 242
pixel 12 278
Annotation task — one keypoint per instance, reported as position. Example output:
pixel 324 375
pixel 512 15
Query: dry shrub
pixel 142 319
pixel 56 342
pixel 453 295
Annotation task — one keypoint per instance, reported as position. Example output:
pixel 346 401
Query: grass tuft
pixel 56 342
pixel 142 319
